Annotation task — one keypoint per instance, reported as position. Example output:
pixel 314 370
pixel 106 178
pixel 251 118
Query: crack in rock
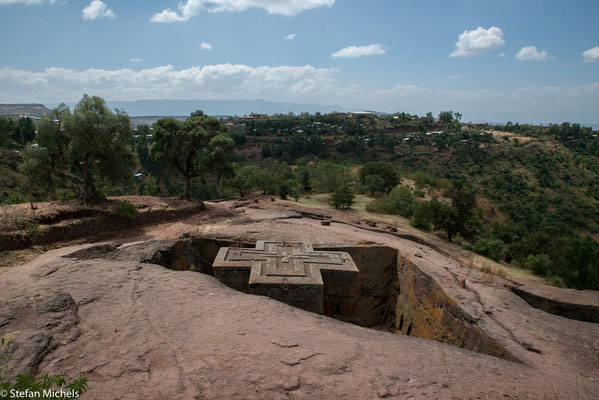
pixel 293 363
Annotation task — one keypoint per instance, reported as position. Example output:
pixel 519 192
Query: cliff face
pixel 18 110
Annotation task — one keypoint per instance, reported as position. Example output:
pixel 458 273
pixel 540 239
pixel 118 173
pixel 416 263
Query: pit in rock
pixel 388 293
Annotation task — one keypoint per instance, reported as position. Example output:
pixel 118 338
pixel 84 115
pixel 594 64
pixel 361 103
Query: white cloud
pixel 192 8
pixel 500 55
pixel 291 36
pixel 135 60
pixel 168 16
pixel 478 41
pixel 97 9
pixel 206 46
pixel 359 51
pixel 591 55
pixel 283 83
pixel 531 53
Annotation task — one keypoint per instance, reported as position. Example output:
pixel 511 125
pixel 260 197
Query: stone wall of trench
pixel 426 311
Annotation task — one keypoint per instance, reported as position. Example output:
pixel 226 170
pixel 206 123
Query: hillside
pixel 523 195
pixel 17 110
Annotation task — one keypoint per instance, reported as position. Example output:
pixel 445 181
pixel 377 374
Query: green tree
pixel 374 184
pixel 194 148
pixel 295 189
pixel 403 201
pixel 382 169
pixel 581 269
pixel 284 189
pixel 244 180
pixel 421 219
pixel 463 201
pixel 24 130
pixel 328 176
pixel 446 117
pixel 5 132
pixel 303 174
pixel 343 197
pixel 99 142
pixel 265 182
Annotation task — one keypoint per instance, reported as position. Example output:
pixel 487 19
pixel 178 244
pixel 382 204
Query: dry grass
pixel 505 271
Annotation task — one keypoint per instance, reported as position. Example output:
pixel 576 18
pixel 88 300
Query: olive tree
pixel 99 146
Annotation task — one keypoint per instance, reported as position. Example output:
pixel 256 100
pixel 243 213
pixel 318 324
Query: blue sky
pixel 494 60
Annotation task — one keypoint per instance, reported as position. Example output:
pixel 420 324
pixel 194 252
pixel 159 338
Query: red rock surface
pixel 141 331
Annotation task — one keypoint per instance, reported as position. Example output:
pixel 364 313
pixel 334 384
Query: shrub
pixel 32 232
pixel 400 201
pixel 374 184
pixel 539 264
pixel 492 248
pixel 64 194
pixel 2 243
pixel 343 197
pixel 423 179
pixel 127 210
pixel 557 281
pixel 15 198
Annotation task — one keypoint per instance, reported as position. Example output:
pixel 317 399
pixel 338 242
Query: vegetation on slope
pixel 520 194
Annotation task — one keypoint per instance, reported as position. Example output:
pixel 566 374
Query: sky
pixel 492 60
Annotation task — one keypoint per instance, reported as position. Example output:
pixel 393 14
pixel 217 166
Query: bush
pixel 539 264
pixel 343 197
pixel 127 210
pixel 64 194
pixel 32 232
pixel 423 179
pixel 374 184
pixel 557 281
pixel 400 201
pixel 492 248
pixel 15 198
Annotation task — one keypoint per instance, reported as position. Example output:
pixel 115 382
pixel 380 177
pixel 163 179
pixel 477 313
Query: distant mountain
pixel 18 110
pixel 216 107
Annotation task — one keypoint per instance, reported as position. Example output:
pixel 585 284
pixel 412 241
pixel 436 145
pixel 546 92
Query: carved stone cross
pixel 288 272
